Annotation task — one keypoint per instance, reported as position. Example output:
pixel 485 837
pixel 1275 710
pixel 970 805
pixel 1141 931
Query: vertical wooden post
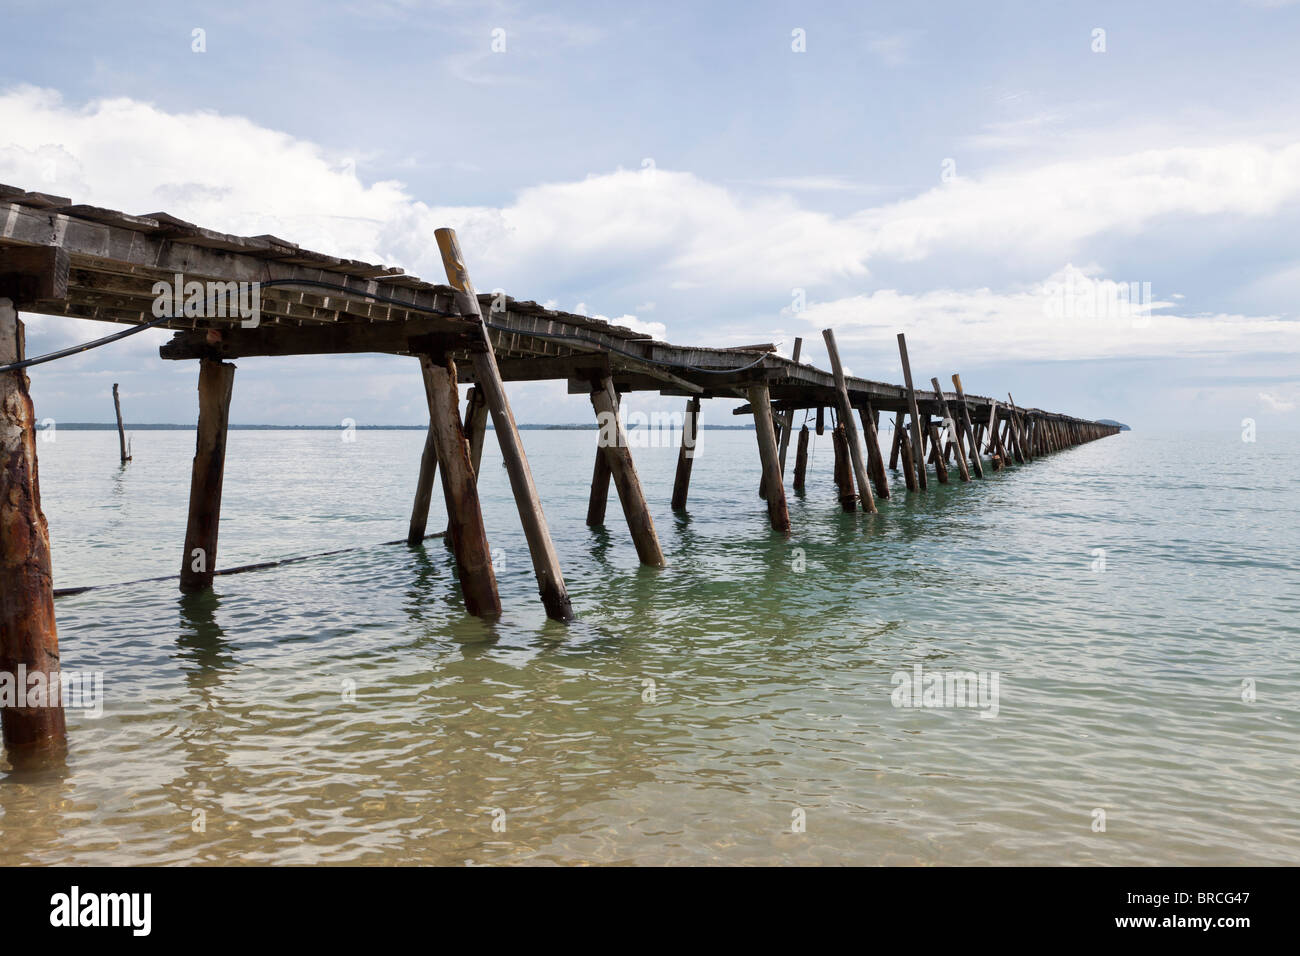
pixel 821 420
pixel 777 511
pixel 1017 433
pixel 216 381
pixel 973 445
pixel 801 460
pixel 843 470
pixel 875 461
pixel 546 564
pixel 428 469
pixel 936 452
pixel 29 640
pixel 686 454
pixel 600 479
pixel 613 445
pixel 121 434
pixel 952 424
pixel 787 420
pixel 850 428
pixel 469 542
pixel 476 414
pixel 918 450
pixel 904 445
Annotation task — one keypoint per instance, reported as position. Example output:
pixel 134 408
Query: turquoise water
pixel 345 710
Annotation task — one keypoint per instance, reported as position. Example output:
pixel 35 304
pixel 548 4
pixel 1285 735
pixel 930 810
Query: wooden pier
pixel 59 258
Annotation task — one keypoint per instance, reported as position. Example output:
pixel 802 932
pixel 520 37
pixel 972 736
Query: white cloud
pixel 1275 403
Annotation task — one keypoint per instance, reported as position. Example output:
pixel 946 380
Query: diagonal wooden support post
pixel 1017 432
pixel 216 382
pixel 618 457
pixel 546 564
pixel 875 460
pixel 686 454
pixel 469 542
pixel 600 474
pixel 778 512
pixel 972 443
pixel 918 449
pixel 850 428
pixel 952 427
pixel 476 415
pixel 34 734
pixel 424 483
pixel 787 420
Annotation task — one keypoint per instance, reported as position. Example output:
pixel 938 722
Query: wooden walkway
pixel 59 258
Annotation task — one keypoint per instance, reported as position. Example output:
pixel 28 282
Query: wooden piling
pixel 600 475
pixel 465 527
pixel 787 420
pixel 953 428
pixel 903 444
pixel 476 415
pixel 216 382
pixel 614 446
pixel 121 433
pixel 843 470
pixel 936 452
pixel 33 735
pixel 801 460
pixel 850 428
pixel 972 442
pixel 428 469
pixel 1017 432
pixel 875 461
pixel 777 511
pixel 917 448
pixel 546 564
pixel 686 454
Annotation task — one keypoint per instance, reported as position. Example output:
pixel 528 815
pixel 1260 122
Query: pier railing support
pixel 216 382
pixel 850 428
pixel 686 454
pixel 618 457
pixel 546 564
pixel 465 528
pixel 778 512
pixel 29 640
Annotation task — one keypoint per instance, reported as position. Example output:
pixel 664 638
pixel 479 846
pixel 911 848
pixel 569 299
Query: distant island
pixel 1102 421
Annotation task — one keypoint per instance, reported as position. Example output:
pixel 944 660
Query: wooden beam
pixel 546 564
pixel 32 273
pixel 777 511
pixel 468 537
pixel 614 447
pixel 216 381
pixel 850 428
pixel 34 736
pixel 686 454
pixel 918 449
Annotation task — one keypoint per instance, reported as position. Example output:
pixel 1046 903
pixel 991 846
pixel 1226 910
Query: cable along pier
pixel 59 258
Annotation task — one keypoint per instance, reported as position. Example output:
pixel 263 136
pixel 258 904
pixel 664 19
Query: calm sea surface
pixel 345 709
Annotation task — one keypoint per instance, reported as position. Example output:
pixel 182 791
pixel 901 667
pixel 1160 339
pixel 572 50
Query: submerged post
pixel 216 381
pixel 546 564
pixel 686 454
pixel 618 456
pixel 918 451
pixel 778 512
pixel 121 435
pixel 469 542
pixel 29 642
pixel 846 419
pixel 801 460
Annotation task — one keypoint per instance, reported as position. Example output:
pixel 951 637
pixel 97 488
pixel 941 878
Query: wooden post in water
pixel 121 434
pixel 686 454
pixel 1017 432
pixel 613 445
pixel 904 445
pixel 918 450
pixel 216 382
pixel 546 564
pixel 29 641
pixel 936 452
pixel 972 442
pixel 821 420
pixel 954 428
pixel 428 469
pixel 843 470
pixel 801 460
pixel 469 542
pixel 777 511
pixel 850 428
pixel 787 420
pixel 875 461
pixel 476 415
pixel 600 479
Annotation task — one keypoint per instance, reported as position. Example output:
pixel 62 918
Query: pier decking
pixel 59 258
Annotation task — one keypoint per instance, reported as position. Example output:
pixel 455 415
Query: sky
pixel 1092 206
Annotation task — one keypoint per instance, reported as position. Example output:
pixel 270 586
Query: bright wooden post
pixel 546 564
pixel 216 381
pixel 918 449
pixel 686 454
pixel 29 640
pixel 850 428
pixel 777 511
pixel 613 445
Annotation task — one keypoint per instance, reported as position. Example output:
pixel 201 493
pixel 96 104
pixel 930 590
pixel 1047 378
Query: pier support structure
pixel 918 448
pixel 686 454
pixel 216 382
pixel 778 512
pixel 618 458
pixel 846 419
